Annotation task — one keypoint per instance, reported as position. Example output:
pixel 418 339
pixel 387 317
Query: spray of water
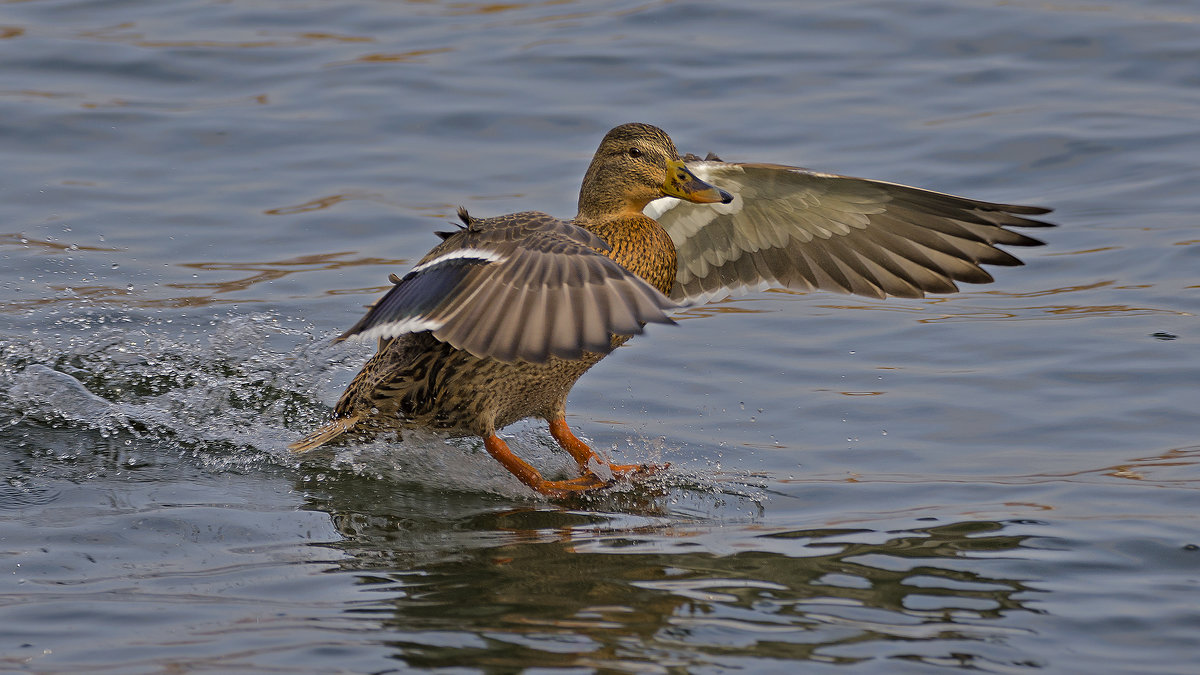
pixel 232 394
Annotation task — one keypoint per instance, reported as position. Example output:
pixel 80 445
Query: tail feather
pixel 325 434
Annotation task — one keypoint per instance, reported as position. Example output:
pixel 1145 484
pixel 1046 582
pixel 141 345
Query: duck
pixel 500 319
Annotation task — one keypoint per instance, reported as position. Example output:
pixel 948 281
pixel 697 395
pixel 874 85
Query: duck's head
pixel 634 165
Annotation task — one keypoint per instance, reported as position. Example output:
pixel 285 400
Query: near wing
pixel 525 286
pixel 795 228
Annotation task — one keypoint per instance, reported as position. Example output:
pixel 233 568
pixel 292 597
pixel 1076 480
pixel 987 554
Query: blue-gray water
pixel 195 196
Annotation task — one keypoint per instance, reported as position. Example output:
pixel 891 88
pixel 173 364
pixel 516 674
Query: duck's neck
pixel 640 245
pixel 606 193
pixel 602 206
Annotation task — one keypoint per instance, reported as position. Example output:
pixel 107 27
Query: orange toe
pixel 530 476
pixel 574 486
pixel 636 470
pixel 590 461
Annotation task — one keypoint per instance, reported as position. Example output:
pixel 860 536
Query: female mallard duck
pixel 497 322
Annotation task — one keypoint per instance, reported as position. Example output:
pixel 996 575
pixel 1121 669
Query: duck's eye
pixel 635 153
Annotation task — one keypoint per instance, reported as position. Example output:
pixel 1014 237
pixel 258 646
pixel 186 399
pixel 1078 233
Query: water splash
pixel 226 388
pixel 232 392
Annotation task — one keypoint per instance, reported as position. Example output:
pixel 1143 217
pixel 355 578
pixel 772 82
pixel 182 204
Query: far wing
pixel 794 228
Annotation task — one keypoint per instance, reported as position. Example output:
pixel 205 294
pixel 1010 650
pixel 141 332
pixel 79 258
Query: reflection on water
pixel 278 269
pixel 18 239
pixel 681 575
pixel 128 295
pixel 965 307
pixel 326 202
pixel 468 584
pixel 1175 468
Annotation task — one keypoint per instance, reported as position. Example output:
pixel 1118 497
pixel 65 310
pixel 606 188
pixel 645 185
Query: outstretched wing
pixel 525 286
pixel 794 228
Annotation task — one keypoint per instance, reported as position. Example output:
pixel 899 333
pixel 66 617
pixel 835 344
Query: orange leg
pixel 585 456
pixel 528 475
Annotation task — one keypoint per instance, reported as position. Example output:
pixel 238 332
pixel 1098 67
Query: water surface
pixel 198 195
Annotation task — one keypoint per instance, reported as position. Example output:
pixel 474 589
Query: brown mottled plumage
pixel 498 322
pixel 462 380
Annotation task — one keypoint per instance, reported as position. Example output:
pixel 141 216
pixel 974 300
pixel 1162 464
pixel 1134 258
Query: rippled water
pixel 198 195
